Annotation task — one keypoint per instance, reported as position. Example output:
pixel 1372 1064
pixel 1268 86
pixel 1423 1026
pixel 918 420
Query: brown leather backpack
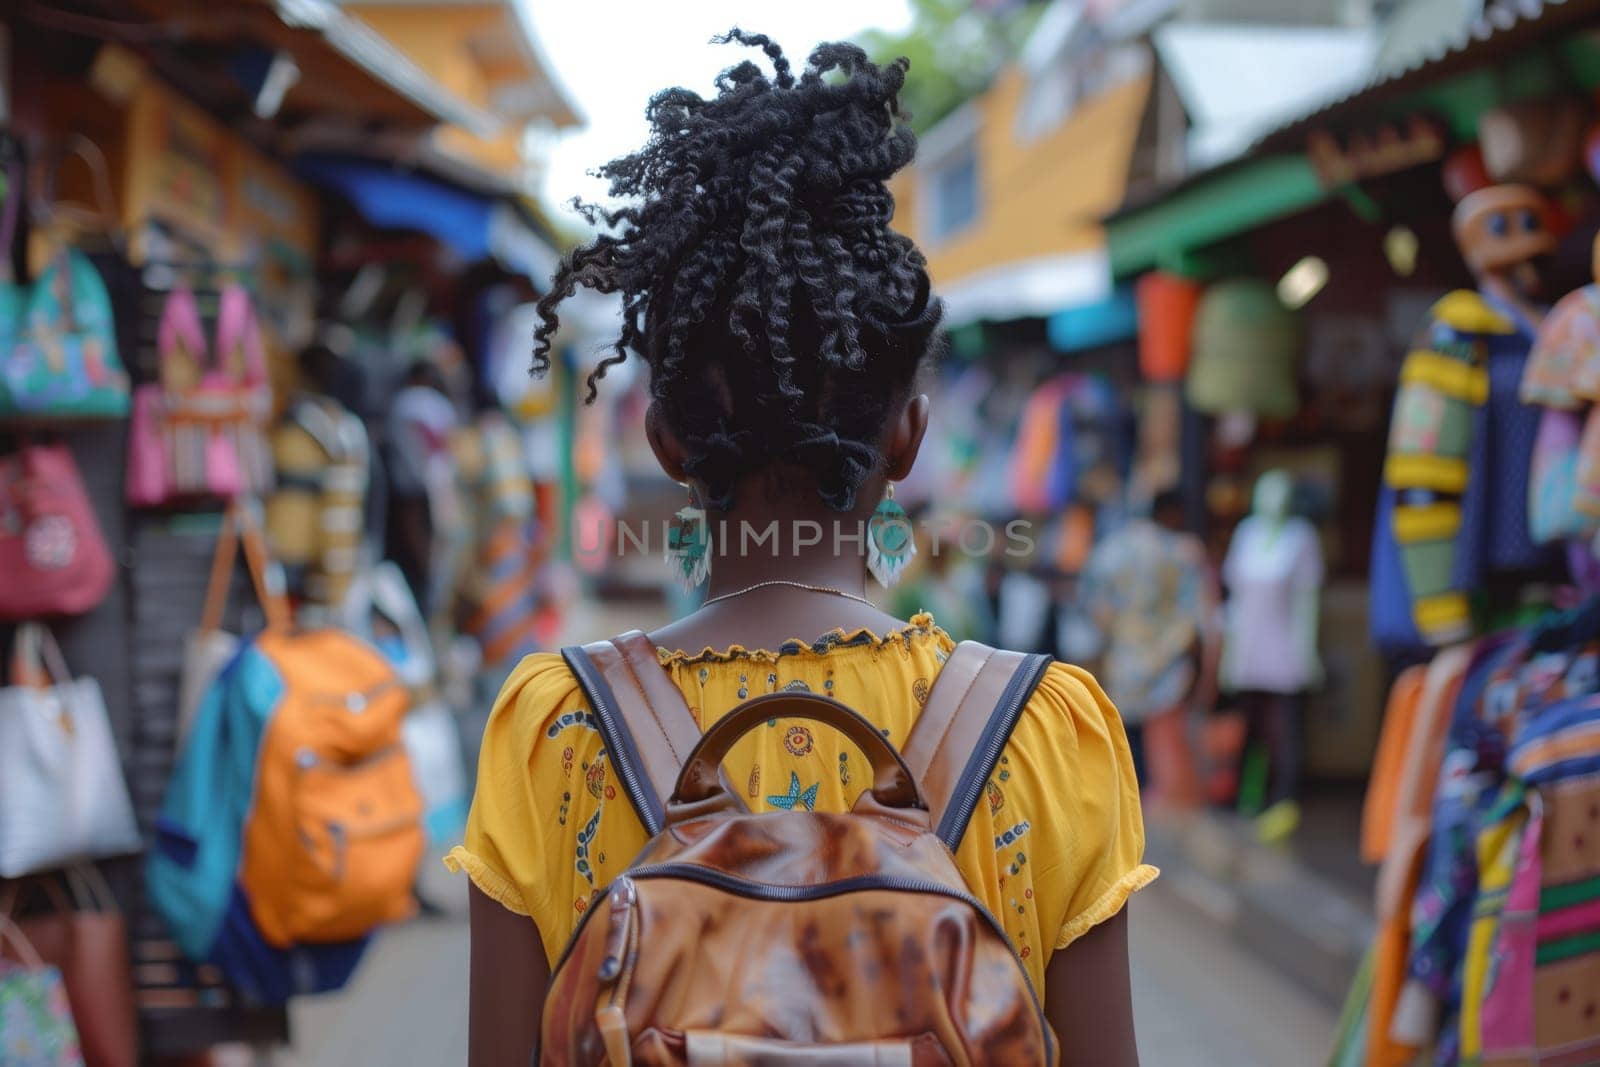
pixel 796 937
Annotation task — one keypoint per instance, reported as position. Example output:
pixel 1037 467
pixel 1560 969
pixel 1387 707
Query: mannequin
pixel 1273 573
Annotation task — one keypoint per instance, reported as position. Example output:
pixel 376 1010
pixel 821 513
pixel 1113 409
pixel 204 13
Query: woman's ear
pixel 905 439
pixel 665 444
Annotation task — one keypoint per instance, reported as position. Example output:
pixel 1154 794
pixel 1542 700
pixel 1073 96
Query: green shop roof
pixel 1519 50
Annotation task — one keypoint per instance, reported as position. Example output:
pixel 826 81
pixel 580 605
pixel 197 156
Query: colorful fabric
pixel 1564 365
pixel 36 1027
pixel 1399 717
pixel 1557 752
pixel 1437 431
pixel 1399 873
pixel 1498 852
pixel 1055 851
pixel 1147 590
pixel 1506 1017
pixel 1586 473
pixel 500 588
pixel 1553 479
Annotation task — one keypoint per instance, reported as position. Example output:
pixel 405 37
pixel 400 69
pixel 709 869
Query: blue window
pixel 955 194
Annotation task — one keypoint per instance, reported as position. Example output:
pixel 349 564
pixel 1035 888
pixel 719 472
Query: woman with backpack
pixel 733 840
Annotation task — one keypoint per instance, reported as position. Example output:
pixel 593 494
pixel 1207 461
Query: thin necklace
pixel 793 585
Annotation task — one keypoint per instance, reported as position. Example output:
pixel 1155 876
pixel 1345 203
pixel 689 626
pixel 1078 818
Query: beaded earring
pixel 688 551
pixel 890 543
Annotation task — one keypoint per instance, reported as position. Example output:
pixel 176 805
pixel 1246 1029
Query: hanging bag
pixel 209 648
pixel 58 341
pixel 36 1027
pixel 199 429
pixel 62 795
pixel 83 935
pixel 52 554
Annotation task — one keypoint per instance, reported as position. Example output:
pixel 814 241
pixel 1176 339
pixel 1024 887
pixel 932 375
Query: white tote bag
pixel 433 743
pixel 62 795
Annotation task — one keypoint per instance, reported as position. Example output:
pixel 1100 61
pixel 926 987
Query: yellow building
pixel 1007 193
pixel 485 53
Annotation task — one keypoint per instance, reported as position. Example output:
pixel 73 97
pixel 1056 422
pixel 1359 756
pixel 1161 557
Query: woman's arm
pixel 509 977
pixel 1088 1001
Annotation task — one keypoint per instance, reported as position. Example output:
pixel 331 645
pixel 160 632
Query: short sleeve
pixel 524 812
pixel 1070 756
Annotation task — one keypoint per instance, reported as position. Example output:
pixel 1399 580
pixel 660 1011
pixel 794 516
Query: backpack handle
pixel 892 782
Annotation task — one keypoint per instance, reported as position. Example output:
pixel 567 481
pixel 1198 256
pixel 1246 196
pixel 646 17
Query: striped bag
pixel 1541 1004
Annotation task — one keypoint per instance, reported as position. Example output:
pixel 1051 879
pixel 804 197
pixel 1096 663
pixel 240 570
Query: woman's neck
pixel 823 549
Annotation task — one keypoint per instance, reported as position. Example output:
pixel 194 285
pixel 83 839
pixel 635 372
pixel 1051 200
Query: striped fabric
pixel 1550 932
pixel 1444 384
pixel 501 586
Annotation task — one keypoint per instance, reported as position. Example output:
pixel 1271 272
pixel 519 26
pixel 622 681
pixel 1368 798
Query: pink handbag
pixel 52 552
pixel 200 430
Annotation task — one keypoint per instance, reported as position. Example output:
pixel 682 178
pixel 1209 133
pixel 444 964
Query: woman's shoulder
pixel 1071 711
pixel 540 700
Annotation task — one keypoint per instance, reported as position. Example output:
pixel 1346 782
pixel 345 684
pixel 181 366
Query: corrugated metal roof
pixel 1506 24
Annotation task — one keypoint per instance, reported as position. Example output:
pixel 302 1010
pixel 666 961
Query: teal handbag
pixel 58 342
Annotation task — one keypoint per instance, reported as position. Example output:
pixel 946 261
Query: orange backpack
pixel 333 840
pixel 291 827
pixel 796 937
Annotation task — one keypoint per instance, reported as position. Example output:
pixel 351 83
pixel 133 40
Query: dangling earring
pixel 689 545
pixel 890 544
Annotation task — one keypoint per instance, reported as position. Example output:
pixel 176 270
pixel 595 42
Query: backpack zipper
pixel 692 872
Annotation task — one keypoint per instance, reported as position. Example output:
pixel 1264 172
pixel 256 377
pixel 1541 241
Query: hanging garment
pixel 1147 590
pixel 1039 445
pixel 1399 717
pixel 1271 569
pixel 500 586
pixel 1397 877
pixel 1553 513
pixel 1458 449
pixel 315 518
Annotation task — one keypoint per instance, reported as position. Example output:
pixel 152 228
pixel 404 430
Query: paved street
pixel 1198 999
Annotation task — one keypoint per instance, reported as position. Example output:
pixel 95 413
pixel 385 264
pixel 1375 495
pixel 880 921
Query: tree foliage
pixel 956 47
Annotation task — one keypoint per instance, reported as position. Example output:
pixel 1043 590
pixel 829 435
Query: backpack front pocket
pixel 359 840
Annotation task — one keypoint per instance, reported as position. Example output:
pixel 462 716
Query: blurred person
pixel 418 430
pixel 1149 591
pixel 784 324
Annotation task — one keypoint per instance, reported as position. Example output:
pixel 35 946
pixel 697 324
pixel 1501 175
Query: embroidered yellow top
pixel 1057 849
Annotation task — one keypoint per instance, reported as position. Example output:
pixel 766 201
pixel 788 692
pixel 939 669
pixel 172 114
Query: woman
pixel 784 324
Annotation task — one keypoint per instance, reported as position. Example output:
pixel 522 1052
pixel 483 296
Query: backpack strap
pixel 647 728
pixel 956 742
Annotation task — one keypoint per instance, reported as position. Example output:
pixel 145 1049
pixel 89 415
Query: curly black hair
pixel 780 315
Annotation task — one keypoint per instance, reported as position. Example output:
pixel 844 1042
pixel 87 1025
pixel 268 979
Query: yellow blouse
pixel 1056 851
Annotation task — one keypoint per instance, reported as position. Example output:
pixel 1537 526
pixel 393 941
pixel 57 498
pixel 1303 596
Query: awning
pixel 1116 318
pixel 1032 288
pixel 1214 206
pixel 1273 181
pixel 472 225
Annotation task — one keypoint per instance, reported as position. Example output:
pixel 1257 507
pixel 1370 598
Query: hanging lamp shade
pixel 1245 350
pixel 1167 305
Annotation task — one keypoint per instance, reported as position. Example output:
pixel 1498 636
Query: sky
pixel 612 55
